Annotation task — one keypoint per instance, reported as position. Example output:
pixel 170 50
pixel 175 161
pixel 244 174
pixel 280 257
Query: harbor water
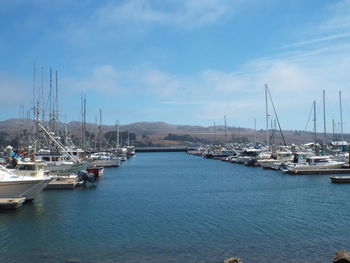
pixel 174 207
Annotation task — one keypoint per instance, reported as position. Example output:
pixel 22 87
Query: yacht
pixel 316 163
pixel 276 160
pixel 12 185
pixel 248 156
pixel 104 159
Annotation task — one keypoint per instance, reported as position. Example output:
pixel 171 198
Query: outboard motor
pixel 85 177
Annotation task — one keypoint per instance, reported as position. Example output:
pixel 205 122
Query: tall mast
pixel 56 108
pixel 333 124
pixel 315 128
pixel 100 130
pixel 42 96
pixel 118 134
pixel 233 133
pixel 267 118
pixel 128 138
pixel 34 111
pixel 214 133
pixel 341 117
pixel 254 131
pixel 50 98
pixel 84 121
pixel 225 128
pixel 34 87
pixel 324 121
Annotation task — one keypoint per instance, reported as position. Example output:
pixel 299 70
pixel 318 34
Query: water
pixel 173 207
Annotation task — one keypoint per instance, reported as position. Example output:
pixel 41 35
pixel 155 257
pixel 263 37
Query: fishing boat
pixel 12 185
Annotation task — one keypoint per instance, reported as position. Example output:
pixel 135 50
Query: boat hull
pixel 26 188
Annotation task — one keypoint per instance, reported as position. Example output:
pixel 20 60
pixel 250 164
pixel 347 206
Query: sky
pixel 179 61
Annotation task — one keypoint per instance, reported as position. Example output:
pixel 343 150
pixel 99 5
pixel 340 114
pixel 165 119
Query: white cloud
pixel 180 13
pixel 339 18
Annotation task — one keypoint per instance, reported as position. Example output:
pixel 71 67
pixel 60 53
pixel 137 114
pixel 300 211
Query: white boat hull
pixel 26 188
pixel 334 165
pixel 106 163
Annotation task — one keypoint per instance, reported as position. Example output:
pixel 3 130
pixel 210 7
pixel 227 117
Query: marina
pixel 162 206
pixel 170 131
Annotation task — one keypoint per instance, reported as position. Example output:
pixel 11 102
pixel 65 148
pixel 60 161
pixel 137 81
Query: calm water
pixel 173 207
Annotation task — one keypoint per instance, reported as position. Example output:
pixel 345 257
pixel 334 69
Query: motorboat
pixel 104 159
pixel 13 185
pixel 316 163
pixel 276 159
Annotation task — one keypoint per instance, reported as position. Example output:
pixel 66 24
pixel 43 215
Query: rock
pixel 233 260
pixel 342 256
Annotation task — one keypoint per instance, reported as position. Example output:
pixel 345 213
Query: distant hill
pixel 161 133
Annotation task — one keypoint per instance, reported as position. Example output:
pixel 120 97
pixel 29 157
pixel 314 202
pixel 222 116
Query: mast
pixel 233 134
pixel 214 133
pixel 56 109
pixel 117 133
pixel 267 119
pixel 225 128
pixel 274 110
pixel 42 96
pixel 324 121
pixel 341 119
pixel 100 129
pixel 50 99
pixel 255 132
pixel 34 87
pixel 34 111
pixel 84 122
pixel 315 128
pixel 128 138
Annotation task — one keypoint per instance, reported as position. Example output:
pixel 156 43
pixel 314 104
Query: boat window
pixel 24 167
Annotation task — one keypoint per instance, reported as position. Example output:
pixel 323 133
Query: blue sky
pixel 179 61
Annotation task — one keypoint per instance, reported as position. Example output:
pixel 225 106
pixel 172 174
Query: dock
pixel 320 171
pixel 62 183
pixel 340 179
pixel 11 203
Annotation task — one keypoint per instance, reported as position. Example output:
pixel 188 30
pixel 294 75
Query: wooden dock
pixel 61 183
pixel 340 179
pixel 321 171
pixel 11 203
